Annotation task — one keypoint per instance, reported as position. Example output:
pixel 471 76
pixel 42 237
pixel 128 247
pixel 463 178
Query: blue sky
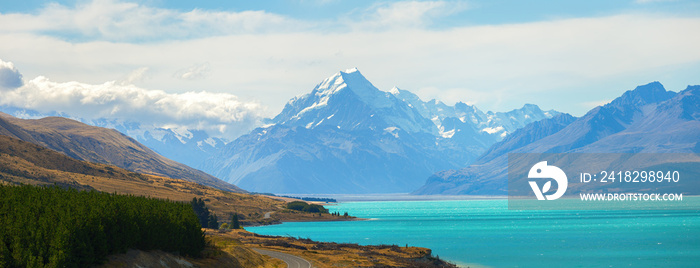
pixel 498 55
pixel 481 12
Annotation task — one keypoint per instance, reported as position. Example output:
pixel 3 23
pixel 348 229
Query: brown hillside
pixel 28 163
pixel 101 145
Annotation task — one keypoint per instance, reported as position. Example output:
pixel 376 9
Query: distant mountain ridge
pixel 190 147
pixel 347 136
pixel 461 115
pixel 648 119
pixel 187 146
pixel 100 145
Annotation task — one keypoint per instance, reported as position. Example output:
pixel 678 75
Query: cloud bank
pixel 10 77
pixel 562 63
pixel 196 72
pixel 219 114
pixel 118 20
pixel 404 14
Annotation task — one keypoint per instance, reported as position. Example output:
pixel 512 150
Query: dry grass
pixel 323 254
pixel 220 252
pixel 229 252
pixel 27 163
pixel 101 145
pixel 24 162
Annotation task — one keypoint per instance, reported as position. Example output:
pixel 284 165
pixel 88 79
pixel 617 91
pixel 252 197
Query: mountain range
pixel 188 146
pixel 101 145
pixel 648 119
pixel 347 136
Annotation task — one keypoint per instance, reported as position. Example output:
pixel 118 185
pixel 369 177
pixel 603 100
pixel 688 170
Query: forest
pixel 56 227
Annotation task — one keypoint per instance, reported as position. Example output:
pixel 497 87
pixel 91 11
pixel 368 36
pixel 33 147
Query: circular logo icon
pixel 542 171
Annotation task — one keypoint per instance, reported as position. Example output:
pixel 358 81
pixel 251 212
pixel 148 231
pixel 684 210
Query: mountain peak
pixel 363 88
pixel 347 100
pixel 352 70
pixel 351 78
pixel 405 95
pixel 691 89
pixel 395 91
pixel 650 93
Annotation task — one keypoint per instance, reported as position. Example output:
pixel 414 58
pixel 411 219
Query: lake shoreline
pixel 322 253
pixel 342 198
pixel 302 220
pixel 487 233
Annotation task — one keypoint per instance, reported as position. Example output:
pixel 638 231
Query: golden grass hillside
pixel 27 163
pixel 102 145
pixel 327 255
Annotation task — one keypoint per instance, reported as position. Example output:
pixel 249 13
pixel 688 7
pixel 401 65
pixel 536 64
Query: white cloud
pixel 404 14
pixel 194 72
pixel 557 63
pixel 137 75
pixel 120 21
pixel 10 77
pixel 124 21
pixel 219 114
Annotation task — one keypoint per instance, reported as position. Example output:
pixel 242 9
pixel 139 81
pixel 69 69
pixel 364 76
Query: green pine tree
pixel 234 222
pixel 213 221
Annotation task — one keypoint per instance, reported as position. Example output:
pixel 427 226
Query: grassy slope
pixel 101 145
pixel 232 249
pixel 323 254
pixel 24 162
pixel 28 163
pixel 220 253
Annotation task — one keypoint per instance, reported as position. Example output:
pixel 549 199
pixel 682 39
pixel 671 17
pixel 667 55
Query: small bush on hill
pixel 303 206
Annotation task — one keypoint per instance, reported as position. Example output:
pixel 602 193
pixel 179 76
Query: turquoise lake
pixel 484 233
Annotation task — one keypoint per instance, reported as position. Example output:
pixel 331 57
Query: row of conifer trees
pixel 55 227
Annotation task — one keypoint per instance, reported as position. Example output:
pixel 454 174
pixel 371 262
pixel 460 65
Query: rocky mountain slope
pixel 347 136
pixel 648 119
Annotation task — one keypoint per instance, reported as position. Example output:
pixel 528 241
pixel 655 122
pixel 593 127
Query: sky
pixel 223 65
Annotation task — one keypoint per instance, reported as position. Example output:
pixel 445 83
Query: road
pixel 291 260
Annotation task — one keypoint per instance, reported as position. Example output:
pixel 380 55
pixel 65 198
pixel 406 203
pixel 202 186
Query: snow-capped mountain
pixel 452 119
pixel 347 100
pixel 347 136
pixel 190 147
pixel 648 119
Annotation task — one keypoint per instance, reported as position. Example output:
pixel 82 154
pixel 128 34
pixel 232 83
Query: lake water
pixel 484 233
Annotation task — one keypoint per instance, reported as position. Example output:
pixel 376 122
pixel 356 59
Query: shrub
pixel 297 205
pixel 303 206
